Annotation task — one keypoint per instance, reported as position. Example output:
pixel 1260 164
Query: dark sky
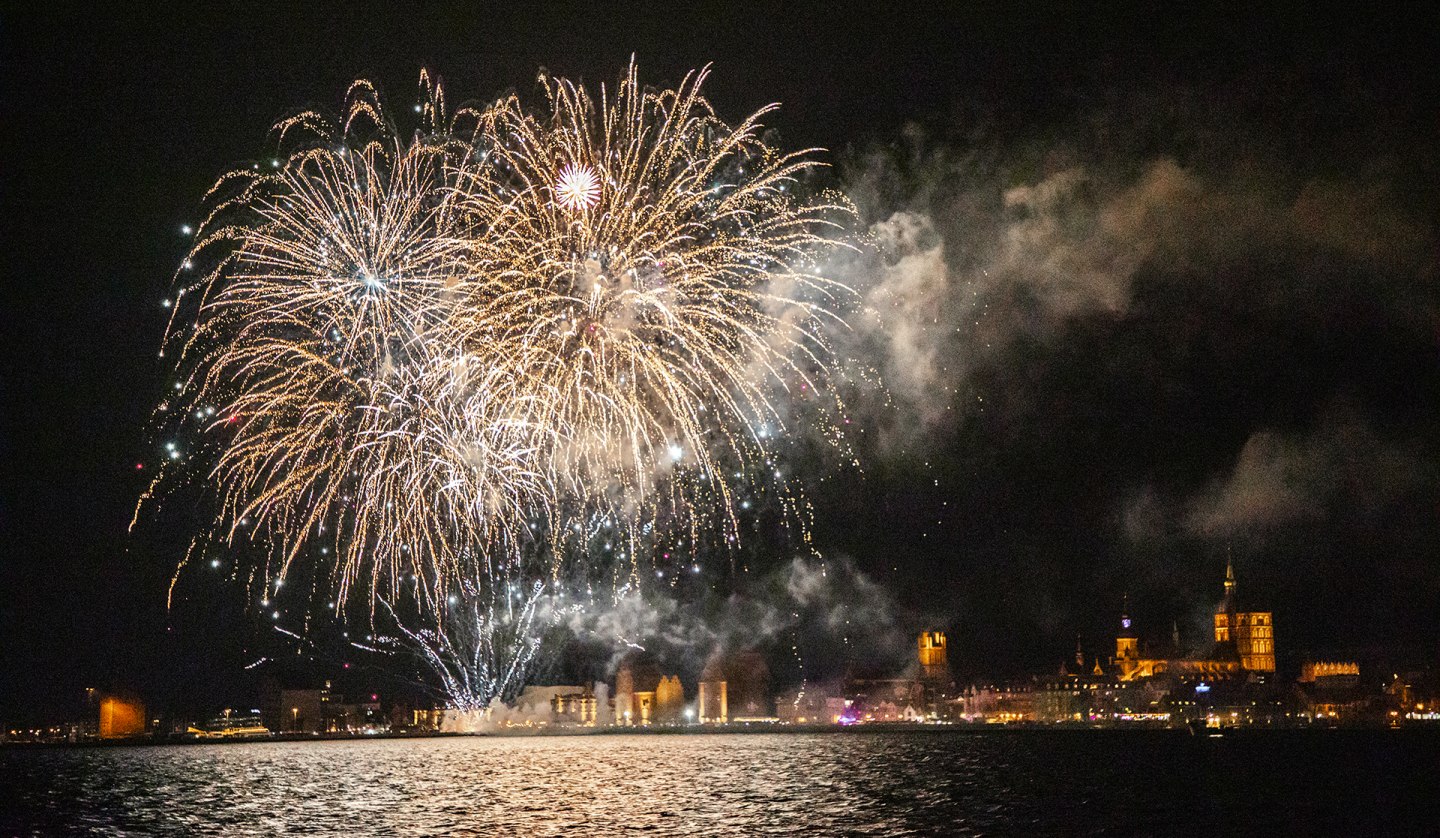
pixel 1184 265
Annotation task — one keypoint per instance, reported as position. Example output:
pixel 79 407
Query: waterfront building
pixel 1244 643
pixel 935 677
pixel 995 704
pixel 1330 673
pixel 231 724
pixel 644 696
pixel 538 701
pixel 810 705
pixel 735 688
pixel 934 661
pixel 1330 692
pixel 714 698
pixel 669 701
pixel 120 716
pixel 357 717
pixel 575 705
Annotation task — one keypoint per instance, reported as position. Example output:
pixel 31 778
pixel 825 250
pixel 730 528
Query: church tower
pixel 1225 611
pixel 1127 645
pixel 1250 633
pixel 932 648
pixel 934 664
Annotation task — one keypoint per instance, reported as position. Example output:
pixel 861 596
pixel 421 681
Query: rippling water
pixel 852 782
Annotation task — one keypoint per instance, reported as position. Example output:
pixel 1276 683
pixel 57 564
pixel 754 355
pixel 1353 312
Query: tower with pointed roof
pixel 1127 645
pixel 1249 634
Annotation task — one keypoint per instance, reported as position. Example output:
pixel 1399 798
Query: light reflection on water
pixel 886 783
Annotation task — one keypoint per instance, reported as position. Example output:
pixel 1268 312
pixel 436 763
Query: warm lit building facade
pixel 1251 633
pixel 643 696
pixel 575 706
pixel 120 717
pixel 933 659
pixel 735 688
pixel 934 672
pixel 1244 642
pixel 669 701
pixel 1334 672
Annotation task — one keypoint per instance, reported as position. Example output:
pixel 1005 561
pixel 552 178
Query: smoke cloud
pixel 812 615
pixel 1280 479
pixel 976 253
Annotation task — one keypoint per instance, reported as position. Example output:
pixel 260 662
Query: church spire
pixel 1228 603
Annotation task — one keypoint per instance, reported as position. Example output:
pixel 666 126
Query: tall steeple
pixel 1225 616
pixel 1229 603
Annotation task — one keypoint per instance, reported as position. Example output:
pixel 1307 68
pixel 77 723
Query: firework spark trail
pixel 637 262
pixel 485 647
pixel 494 345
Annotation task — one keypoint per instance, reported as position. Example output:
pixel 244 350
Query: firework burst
pixel 335 397
pixel 661 330
pixel 426 365
pixel 578 188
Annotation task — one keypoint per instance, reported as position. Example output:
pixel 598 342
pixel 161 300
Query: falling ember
pixel 578 188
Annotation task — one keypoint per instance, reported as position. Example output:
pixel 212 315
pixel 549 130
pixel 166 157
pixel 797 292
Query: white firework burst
pixel 578 187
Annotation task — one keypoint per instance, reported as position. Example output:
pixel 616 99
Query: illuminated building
pixel 1244 642
pixel 120 717
pixel 579 707
pixel 1127 651
pixel 1330 692
pixel 1251 633
pixel 885 699
pixel 1132 664
pixel 1322 672
pixel 995 705
pixel 933 660
pixel 231 725
pixel 934 673
pixel 714 701
pixel 735 688
pixel 669 701
pixel 811 705
pixel 643 696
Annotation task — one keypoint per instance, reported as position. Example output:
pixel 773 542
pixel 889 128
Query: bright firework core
pixel 578 188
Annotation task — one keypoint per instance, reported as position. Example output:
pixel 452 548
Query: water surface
pixel 852 782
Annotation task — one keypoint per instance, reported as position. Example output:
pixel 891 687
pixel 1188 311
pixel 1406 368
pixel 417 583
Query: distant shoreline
pixel 721 730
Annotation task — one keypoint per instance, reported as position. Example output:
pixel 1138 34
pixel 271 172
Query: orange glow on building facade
pixel 932 649
pixel 120 717
pixel 1251 632
pixel 1244 642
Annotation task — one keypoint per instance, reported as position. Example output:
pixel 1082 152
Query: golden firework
pixel 424 360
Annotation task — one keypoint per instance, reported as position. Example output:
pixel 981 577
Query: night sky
pixel 1177 275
